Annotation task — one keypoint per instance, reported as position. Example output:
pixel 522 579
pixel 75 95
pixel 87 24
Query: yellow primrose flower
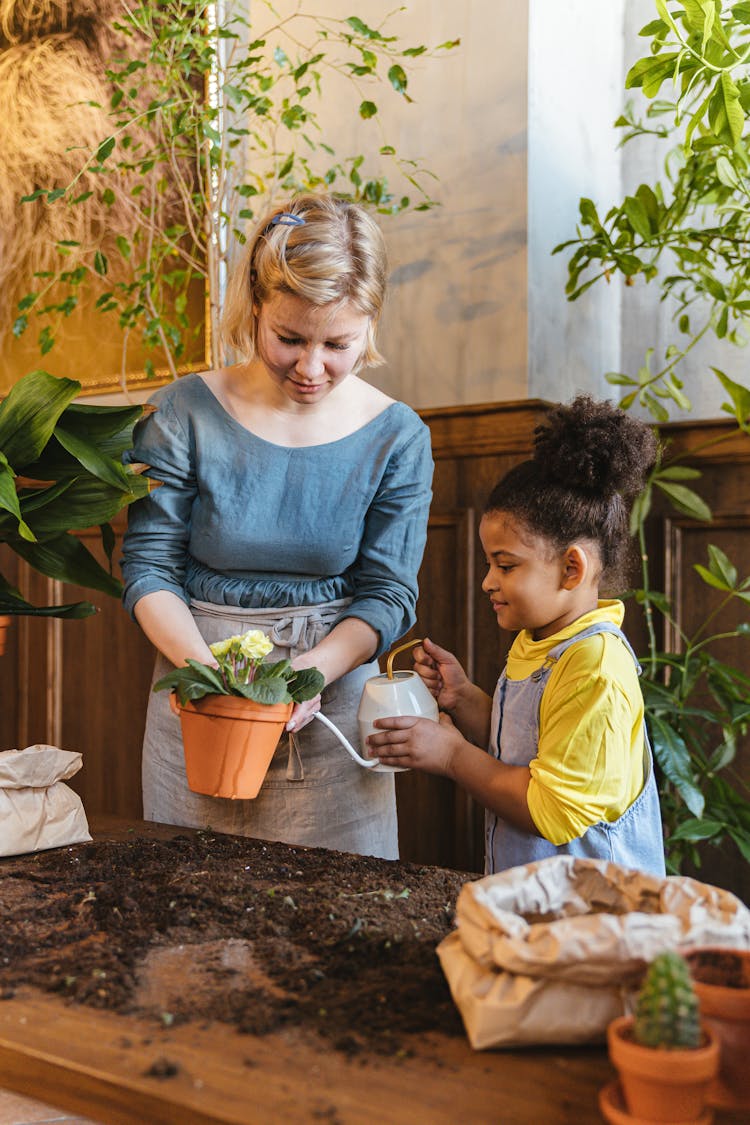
pixel 221 648
pixel 255 645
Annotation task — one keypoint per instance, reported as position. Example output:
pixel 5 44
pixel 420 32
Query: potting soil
pixel 258 935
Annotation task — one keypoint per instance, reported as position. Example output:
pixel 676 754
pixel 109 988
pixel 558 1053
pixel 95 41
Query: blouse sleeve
pixel 393 542
pixel 155 544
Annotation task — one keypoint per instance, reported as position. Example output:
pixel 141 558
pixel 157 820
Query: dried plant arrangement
pixel 196 133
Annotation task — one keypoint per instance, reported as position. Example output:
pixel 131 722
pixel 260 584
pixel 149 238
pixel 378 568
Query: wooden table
pixel 132 1071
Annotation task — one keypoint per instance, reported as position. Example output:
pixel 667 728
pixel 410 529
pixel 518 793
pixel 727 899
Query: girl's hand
pixel 303 713
pixel 441 672
pixel 413 743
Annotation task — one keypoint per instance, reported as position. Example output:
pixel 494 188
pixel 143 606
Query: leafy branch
pixel 690 233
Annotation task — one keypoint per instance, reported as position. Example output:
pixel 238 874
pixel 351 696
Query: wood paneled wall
pixel 84 684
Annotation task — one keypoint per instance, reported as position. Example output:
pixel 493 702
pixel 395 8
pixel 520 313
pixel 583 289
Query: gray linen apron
pixel 314 793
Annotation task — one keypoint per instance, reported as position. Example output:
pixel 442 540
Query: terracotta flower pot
pixel 721 978
pixel 229 743
pixel 614 1110
pixel 662 1084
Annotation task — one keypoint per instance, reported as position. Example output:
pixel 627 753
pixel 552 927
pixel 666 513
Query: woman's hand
pixel 303 713
pixel 442 674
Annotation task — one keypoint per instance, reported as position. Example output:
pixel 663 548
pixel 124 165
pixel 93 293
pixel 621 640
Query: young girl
pixel 569 767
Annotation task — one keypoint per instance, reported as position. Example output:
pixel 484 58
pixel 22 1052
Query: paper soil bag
pixel 37 809
pixel 551 951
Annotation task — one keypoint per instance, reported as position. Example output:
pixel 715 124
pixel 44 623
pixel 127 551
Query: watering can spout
pixel 368 763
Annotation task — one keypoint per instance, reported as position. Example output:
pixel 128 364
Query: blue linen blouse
pixel 240 521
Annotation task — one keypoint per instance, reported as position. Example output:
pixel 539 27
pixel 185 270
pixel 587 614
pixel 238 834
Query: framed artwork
pixel 90 347
pixel 72 227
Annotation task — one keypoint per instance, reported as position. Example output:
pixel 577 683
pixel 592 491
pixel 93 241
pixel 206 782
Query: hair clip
pixel 286 219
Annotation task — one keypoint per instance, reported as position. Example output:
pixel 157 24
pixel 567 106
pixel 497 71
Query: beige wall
pixel 455 326
pixel 455 330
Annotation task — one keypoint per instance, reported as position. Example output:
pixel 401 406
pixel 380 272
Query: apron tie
pixel 295 771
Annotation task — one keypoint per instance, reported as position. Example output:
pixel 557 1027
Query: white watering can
pixel 390 693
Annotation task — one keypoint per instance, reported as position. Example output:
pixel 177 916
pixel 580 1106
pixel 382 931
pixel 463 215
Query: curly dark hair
pixel 590 460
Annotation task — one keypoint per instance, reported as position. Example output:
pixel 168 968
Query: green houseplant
pixel 232 714
pixel 688 236
pixel 61 471
pixel 665 1057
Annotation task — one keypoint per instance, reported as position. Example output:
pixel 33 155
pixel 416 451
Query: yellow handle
pixel 396 651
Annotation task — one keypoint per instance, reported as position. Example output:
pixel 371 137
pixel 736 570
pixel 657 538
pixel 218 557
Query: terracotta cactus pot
pixel 659 1083
pixel 721 978
pixel 229 743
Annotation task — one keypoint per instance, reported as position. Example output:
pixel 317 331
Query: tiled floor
pixel 18 1110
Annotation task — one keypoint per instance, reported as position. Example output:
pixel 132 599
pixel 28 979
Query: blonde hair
pixel 334 254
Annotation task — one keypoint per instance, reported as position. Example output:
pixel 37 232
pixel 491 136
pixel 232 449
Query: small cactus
pixel 667 1012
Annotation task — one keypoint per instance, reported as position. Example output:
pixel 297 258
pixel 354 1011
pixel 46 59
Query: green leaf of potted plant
pixel 665 1055
pixel 232 714
pixel 61 471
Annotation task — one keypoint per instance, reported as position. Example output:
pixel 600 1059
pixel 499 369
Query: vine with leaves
pixel 689 235
pixel 212 115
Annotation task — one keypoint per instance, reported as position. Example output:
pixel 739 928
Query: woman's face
pixel 307 349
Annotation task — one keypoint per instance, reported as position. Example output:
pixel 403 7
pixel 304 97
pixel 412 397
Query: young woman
pixel 293 497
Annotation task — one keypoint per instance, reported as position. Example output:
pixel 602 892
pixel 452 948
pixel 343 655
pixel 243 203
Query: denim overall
pixel 634 840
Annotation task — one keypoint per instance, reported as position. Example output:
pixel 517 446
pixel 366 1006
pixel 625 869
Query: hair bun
pixel 594 447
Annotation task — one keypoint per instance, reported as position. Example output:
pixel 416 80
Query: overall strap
pixel 591 631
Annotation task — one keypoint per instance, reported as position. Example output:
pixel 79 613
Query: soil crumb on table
pixel 258 935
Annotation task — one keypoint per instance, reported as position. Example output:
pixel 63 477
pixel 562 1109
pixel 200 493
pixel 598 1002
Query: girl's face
pixel 307 349
pixel 530 585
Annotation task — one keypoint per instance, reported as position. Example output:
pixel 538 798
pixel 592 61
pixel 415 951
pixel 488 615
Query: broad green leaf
pixel 673 757
pixel 29 413
pixel 721 566
pixel 88 454
pixel 397 78
pixel 709 578
pixel 741 12
pixel 640 509
pixel 19 607
pixel 105 149
pixel 9 501
pixel 266 691
pixel 618 379
pixel 726 173
pixel 637 216
pixel 725 113
pixel 76 504
pixel 686 501
pixel 66 559
pixel 306 684
pixel 742 840
pixel 698 829
pixel 739 396
pixel 678 472
pixel 649 73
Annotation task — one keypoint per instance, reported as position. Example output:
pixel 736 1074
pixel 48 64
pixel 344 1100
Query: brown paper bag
pixel 551 951
pixel 37 809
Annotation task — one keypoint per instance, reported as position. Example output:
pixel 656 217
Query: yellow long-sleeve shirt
pixel 589 765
